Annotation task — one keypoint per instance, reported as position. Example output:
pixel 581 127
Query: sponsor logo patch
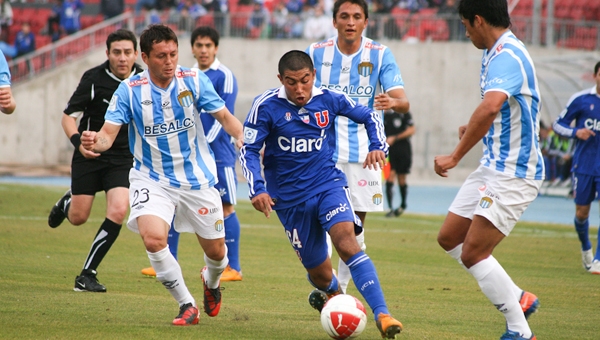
pixel 250 135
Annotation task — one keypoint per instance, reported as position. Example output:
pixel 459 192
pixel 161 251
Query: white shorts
pixel 499 198
pixel 365 186
pixel 195 211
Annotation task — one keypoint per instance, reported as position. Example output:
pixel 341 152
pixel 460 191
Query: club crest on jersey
pixel 377 199
pixel 288 116
pixel 305 119
pixel 219 225
pixel 486 202
pixel 185 98
pixel 365 68
pixel 322 118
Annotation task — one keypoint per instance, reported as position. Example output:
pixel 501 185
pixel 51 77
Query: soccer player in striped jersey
pixel 584 109
pixel 7 101
pixel 493 197
pixel 295 124
pixel 174 172
pixel 367 72
pixel 205 45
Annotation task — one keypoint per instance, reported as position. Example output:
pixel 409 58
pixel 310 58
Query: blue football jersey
pixel 372 69
pixel 297 159
pixel 4 71
pixel 166 136
pixel 220 142
pixel 511 145
pixel 583 108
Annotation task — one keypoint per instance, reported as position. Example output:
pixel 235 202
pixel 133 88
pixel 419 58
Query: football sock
pixel 366 281
pixel 232 240
pixel 168 272
pixel 214 269
pixel 173 241
pixel 498 288
pixel 344 275
pixel 104 239
pixel 597 257
pixel 332 288
pixel 389 193
pixel 403 191
pixel 582 229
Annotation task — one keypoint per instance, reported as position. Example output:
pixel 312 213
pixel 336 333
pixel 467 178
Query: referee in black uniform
pixel 398 129
pixel 107 172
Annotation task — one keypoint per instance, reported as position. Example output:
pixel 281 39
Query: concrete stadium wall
pixel 442 84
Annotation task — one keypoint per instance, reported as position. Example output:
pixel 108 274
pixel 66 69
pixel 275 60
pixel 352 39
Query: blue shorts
pixel 585 188
pixel 227 185
pixel 306 223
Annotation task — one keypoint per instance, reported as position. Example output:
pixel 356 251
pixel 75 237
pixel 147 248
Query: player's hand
pixel 461 131
pixel 375 160
pixel 88 140
pixel 239 143
pixel 263 203
pixel 441 164
pixel 390 140
pixel 383 101
pixel 87 153
pixel 584 134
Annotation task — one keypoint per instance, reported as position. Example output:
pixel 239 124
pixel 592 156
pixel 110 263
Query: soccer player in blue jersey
pixel 205 44
pixel 493 197
pixel 295 123
pixel 174 172
pixel 584 109
pixel 367 72
pixel 7 101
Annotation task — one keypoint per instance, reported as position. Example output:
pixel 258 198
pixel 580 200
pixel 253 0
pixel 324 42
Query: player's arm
pixel 479 124
pixel 394 100
pixel 562 124
pixel 230 124
pixel 102 140
pixel 7 101
pixel 69 125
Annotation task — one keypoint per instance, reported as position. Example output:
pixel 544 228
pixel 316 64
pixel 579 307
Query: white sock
pixel 498 287
pixel 329 245
pixel 214 269
pixel 168 272
pixel 343 273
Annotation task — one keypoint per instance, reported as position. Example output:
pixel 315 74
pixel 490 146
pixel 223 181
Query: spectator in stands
pixel 25 40
pixel 294 6
pixel 412 5
pixel 259 19
pixel 6 19
pixel 144 5
pixel 318 26
pixel 112 8
pixel 280 22
pixel 449 11
pixel 69 16
pixel 189 11
pixel 219 8
pixel 54 20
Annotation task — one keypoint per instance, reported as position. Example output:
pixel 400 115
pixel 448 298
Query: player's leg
pixel 403 165
pixel 403 185
pixel 584 190
pixel 389 192
pixel 227 187
pixel 173 243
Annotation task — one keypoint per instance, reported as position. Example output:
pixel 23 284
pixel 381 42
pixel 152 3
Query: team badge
pixel 185 98
pixel 486 202
pixel 288 116
pixel 365 68
pixel 322 118
pixel 377 199
pixel 305 119
pixel 250 135
pixel 219 225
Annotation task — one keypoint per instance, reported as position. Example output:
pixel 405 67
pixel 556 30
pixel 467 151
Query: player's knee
pixel 117 214
pixel 77 218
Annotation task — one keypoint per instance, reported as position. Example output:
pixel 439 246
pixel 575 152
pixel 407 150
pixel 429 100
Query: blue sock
pixel 332 288
pixel 232 240
pixel 582 228
pixel 597 257
pixel 365 278
pixel 173 241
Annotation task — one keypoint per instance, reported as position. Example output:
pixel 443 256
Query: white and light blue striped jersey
pixel 371 70
pixel 166 136
pixel 511 145
pixel 297 157
pixel 4 71
pixel 583 108
pixel 220 142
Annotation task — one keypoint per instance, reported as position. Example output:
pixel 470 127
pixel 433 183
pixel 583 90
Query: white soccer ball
pixel 343 317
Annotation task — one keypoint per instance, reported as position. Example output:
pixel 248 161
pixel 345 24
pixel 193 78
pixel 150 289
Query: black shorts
pixel 400 161
pixel 91 176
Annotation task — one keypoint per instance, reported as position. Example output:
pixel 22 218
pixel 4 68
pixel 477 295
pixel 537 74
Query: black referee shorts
pixel 91 176
pixel 400 160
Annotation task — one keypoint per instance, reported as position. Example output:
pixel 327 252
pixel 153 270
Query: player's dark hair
pixel 495 12
pixel 295 60
pixel 205 31
pixel 362 3
pixel 155 34
pixel 596 68
pixel 120 35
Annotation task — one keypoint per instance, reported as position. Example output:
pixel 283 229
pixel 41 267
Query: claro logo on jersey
pixel 324 44
pixel 592 124
pixel 142 81
pixel 168 128
pixel 351 90
pixel 301 144
pixel 188 73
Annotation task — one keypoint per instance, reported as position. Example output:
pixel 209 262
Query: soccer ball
pixel 343 317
